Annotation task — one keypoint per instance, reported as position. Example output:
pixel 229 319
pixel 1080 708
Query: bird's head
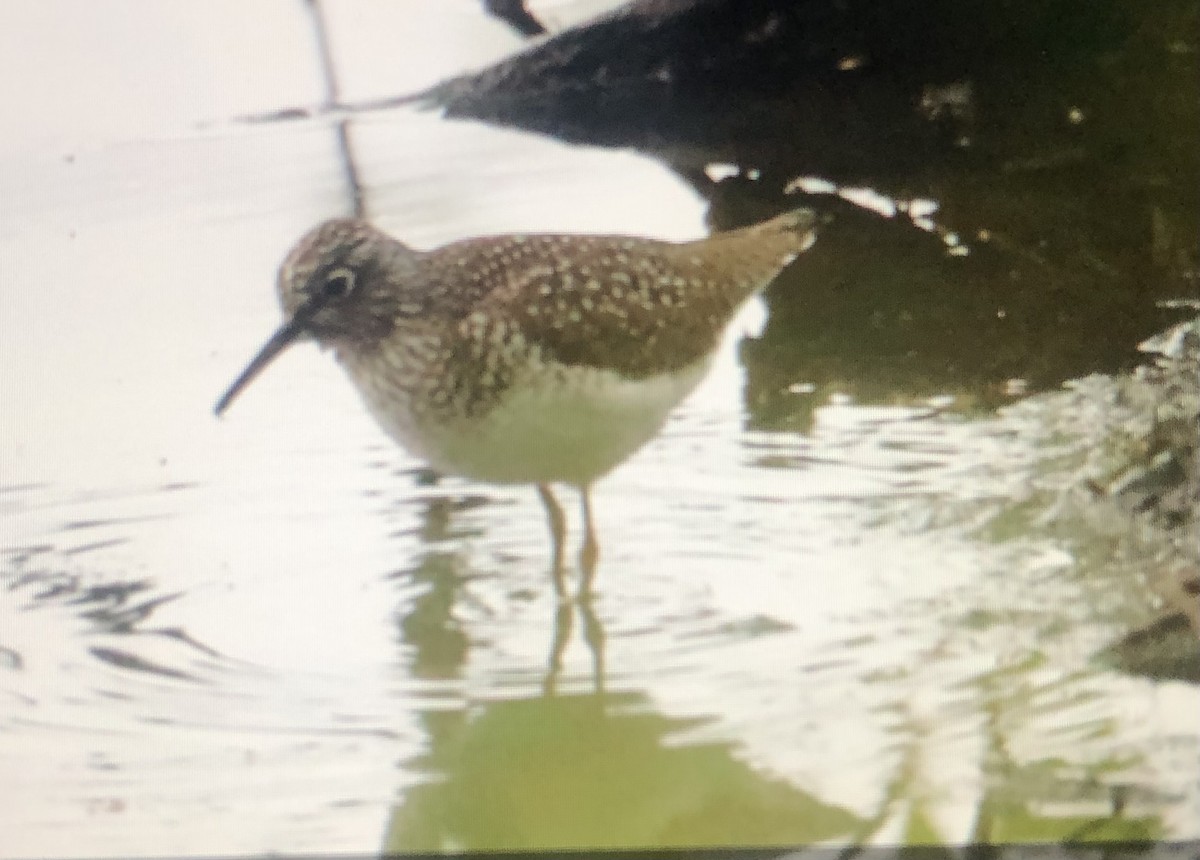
pixel 343 284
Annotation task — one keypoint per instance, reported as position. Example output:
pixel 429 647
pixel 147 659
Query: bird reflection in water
pixel 439 643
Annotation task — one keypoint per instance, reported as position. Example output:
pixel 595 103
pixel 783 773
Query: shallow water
pixel 273 633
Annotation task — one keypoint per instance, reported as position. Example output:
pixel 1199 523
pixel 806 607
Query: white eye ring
pixel 338 283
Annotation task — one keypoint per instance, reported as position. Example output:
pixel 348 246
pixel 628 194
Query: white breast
pixel 558 424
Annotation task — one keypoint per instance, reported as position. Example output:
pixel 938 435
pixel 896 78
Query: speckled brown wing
pixel 637 307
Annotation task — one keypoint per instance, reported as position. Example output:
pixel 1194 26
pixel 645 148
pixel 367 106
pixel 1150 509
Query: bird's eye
pixel 338 284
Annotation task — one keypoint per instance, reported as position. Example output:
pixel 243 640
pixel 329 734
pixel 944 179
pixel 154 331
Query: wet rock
pixel 1154 478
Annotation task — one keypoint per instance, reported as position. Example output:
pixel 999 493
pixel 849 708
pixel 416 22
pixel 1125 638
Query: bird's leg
pixel 589 553
pixel 564 621
pixel 593 635
pixel 558 535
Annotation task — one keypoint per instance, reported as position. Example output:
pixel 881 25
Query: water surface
pixel 274 633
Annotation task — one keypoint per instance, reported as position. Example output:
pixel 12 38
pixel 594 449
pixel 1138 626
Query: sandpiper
pixel 524 358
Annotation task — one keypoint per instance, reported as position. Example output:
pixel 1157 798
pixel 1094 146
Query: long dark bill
pixel 281 340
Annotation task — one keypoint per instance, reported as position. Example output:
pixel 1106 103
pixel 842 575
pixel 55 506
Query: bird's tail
pixel 757 253
pixel 799 224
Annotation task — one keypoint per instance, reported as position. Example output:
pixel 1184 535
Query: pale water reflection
pixel 274 633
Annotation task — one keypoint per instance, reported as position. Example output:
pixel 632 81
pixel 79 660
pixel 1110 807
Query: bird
pixel 524 358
